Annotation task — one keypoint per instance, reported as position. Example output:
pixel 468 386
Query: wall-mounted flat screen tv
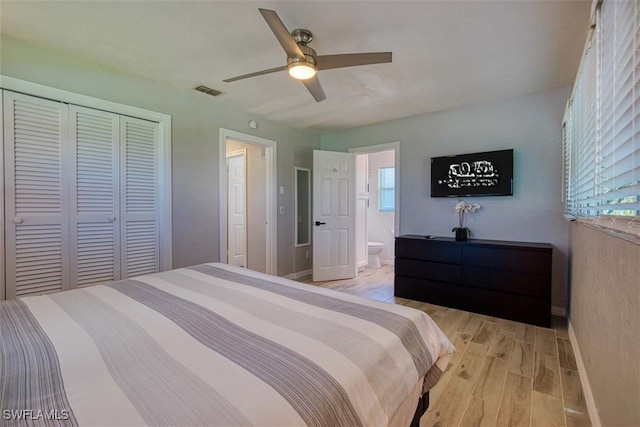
pixel 476 174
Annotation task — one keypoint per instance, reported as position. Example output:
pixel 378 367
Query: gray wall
pixel 529 124
pixel 196 120
pixel 605 318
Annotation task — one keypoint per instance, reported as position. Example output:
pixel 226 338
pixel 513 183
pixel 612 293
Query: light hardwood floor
pixel 503 373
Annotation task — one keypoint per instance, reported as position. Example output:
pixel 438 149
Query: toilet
pixel 374 249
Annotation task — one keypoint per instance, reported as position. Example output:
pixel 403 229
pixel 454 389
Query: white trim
pixel 559 311
pixel 164 152
pixel 165 202
pixel 586 388
pixel 271 158
pixel 388 261
pixel 299 274
pixel 391 146
pixel 594 8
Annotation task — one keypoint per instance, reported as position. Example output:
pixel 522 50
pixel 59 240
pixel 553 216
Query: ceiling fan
pixel 303 62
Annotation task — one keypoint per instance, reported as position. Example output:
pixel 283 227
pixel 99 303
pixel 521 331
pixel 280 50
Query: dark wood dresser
pixel 511 280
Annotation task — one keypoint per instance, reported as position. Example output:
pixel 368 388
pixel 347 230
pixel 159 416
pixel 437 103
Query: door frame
pixel 390 146
pixel 271 158
pixel 364 263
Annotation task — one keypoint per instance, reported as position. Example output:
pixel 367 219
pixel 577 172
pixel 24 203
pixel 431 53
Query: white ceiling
pixel 446 54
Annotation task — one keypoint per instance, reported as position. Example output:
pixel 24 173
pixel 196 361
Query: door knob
pixel 111 218
pixel 17 220
pixel 320 223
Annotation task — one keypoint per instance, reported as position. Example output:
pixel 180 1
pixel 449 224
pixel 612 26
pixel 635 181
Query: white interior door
pixel 95 196
pixel 36 195
pixel 139 226
pixel 236 209
pixel 334 217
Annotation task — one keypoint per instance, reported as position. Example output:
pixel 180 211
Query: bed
pixel 215 344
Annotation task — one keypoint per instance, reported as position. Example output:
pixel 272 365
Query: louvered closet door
pixel 95 197
pixel 139 192
pixel 36 195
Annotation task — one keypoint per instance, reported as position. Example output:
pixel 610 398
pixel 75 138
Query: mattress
pixel 214 345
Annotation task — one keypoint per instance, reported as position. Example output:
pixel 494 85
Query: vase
pixel 462 234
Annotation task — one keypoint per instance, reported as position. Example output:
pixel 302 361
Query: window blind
pixel 566 166
pixel 583 129
pixel 601 131
pixel 618 177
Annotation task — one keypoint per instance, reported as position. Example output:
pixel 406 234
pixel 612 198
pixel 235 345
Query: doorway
pixel 237 205
pixel 334 216
pixel 377 215
pixel 247 201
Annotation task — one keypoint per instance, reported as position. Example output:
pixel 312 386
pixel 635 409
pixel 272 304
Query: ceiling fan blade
pixel 327 62
pixel 282 34
pixel 257 73
pixel 314 87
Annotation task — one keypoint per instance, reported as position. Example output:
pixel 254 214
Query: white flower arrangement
pixel 462 208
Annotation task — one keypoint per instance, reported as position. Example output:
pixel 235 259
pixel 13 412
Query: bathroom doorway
pixel 377 204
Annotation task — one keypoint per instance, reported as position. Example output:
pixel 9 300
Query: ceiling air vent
pixel 208 90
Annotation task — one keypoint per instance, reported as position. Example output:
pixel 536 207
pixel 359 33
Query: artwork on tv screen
pixel 477 174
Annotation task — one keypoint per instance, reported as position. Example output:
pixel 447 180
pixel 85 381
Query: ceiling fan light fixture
pixel 302 70
pixel 302 60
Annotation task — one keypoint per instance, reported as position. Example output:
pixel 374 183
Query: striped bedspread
pixel 213 345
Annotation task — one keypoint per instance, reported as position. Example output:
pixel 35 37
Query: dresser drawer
pixel 520 308
pixel 427 290
pixel 429 250
pixel 428 270
pixel 526 261
pixel 507 281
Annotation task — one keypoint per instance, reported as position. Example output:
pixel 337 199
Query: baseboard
pixel 298 274
pixel 586 388
pixel 388 261
pixel 559 311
